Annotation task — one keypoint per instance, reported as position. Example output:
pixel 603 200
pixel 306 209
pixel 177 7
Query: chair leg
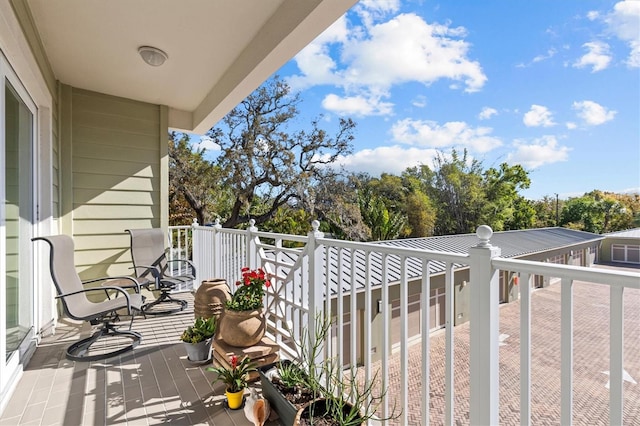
pixel 164 297
pixel 79 350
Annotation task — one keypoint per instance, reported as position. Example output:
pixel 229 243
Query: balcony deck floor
pixel 154 384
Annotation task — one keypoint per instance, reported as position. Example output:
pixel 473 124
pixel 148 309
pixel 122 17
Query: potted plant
pixel 243 323
pixel 197 339
pixel 285 385
pixel 290 386
pixel 309 392
pixel 235 379
pixel 344 400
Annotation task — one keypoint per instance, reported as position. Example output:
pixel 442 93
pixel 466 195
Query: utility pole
pixel 557 211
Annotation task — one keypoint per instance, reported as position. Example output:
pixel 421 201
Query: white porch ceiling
pixel 219 50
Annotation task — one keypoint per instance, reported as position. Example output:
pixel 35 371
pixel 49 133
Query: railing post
pixel 217 249
pixel 315 281
pixel 252 248
pixel 196 254
pixel 484 319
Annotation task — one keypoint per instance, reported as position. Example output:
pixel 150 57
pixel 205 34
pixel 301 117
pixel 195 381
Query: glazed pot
pixel 234 399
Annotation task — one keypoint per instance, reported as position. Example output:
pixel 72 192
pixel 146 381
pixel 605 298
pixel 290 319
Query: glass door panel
pixel 18 214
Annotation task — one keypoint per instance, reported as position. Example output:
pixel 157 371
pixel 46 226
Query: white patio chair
pixel 73 295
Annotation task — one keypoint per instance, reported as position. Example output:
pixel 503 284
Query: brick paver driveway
pixel 591 362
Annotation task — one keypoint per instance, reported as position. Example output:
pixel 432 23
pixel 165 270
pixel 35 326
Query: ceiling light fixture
pixel 152 55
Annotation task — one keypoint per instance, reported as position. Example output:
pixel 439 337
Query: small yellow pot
pixel 234 399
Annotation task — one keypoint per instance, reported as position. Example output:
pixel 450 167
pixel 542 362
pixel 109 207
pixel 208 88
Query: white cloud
pixel 592 113
pixel 371 10
pixel 545 150
pixel 550 54
pixel 538 116
pixel 571 125
pixel 357 105
pixel 376 56
pixel 419 101
pixel 451 134
pixel 593 15
pixel 380 5
pixel 624 22
pixel 407 48
pixel 487 113
pixel 206 143
pixel 597 56
pixel 315 61
pixel 387 159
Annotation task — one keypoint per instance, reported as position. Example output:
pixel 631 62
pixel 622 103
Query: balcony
pixel 564 354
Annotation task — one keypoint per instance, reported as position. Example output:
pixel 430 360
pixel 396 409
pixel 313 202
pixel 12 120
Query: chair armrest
pixel 134 282
pixel 87 290
pixel 191 265
pixel 154 269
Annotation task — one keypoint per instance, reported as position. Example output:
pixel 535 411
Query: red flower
pixel 267 283
pixel 245 269
pixel 234 361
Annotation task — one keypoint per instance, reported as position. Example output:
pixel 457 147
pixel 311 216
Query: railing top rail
pixel 462 258
pixel 223 230
pixel 180 227
pixel 593 275
pixel 262 234
pixel 286 237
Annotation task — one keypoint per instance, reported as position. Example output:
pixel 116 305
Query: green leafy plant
pixel 346 400
pixel 235 378
pixel 250 291
pixel 201 330
pixel 291 374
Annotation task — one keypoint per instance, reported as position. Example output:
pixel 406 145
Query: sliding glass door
pixel 17 127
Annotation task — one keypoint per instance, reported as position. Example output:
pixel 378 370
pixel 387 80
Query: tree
pixel 384 224
pixel 259 158
pixel 599 212
pixel 505 208
pixel 333 200
pixel 547 211
pixel 194 183
pixel 457 190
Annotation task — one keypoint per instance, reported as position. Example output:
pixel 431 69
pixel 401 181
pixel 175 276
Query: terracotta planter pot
pixel 235 399
pixel 242 328
pixel 210 298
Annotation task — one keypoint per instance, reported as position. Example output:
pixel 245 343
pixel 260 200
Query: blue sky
pixel 551 85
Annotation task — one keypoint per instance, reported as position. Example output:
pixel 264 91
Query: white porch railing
pixel 312 274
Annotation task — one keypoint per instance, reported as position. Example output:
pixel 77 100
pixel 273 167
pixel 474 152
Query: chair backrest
pixel 65 277
pixel 148 249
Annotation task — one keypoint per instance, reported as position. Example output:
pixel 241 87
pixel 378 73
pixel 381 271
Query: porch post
pixel 217 250
pixel 315 281
pixel 484 318
pixel 196 253
pixel 252 247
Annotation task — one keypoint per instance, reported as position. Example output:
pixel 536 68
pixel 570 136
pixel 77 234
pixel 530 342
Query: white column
pixel 252 248
pixel 315 283
pixel 217 250
pixel 484 318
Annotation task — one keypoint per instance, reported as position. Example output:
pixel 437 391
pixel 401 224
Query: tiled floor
pixel 590 357
pixel 154 384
